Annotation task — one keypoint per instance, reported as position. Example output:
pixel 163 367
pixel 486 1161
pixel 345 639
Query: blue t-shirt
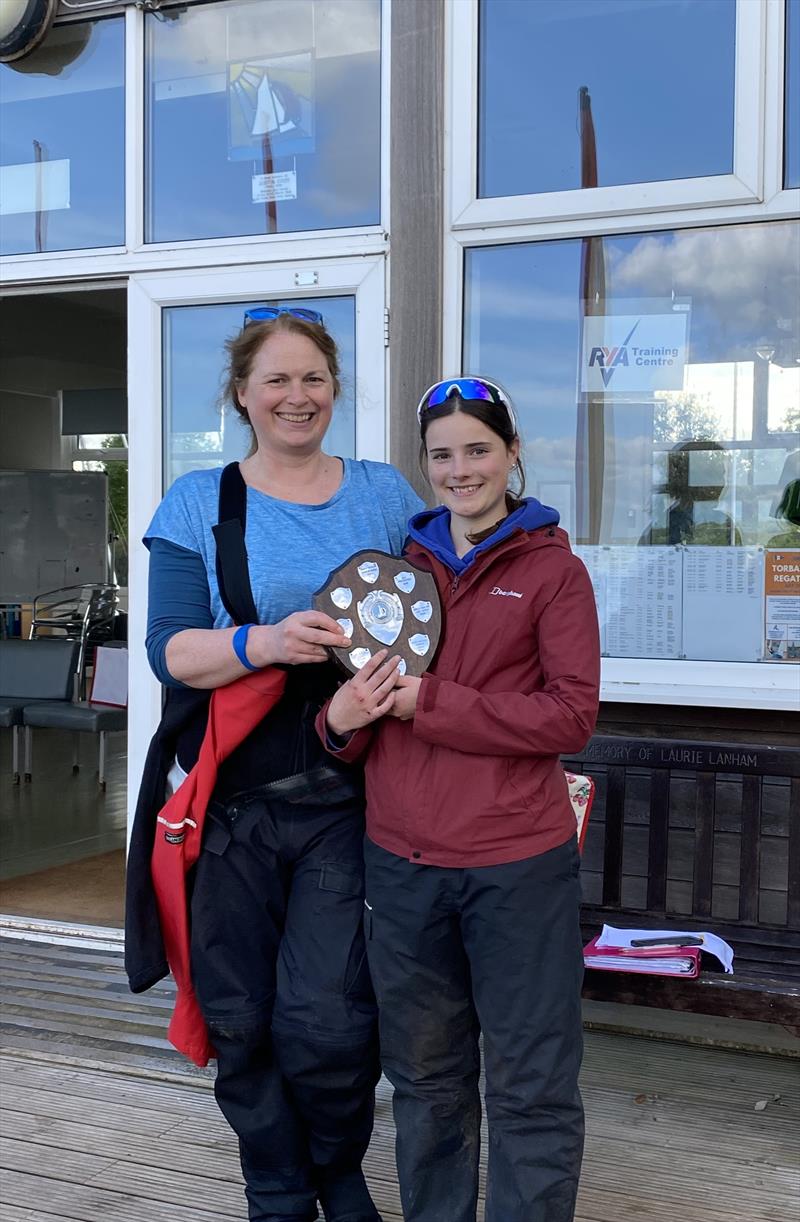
pixel 291 548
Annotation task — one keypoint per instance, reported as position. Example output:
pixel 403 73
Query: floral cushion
pixel 581 795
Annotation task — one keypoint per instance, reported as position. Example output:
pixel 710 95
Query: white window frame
pixel 744 185
pixel 148 295
pixel 753 194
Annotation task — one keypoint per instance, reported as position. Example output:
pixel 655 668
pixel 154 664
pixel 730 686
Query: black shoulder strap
pixel 233 576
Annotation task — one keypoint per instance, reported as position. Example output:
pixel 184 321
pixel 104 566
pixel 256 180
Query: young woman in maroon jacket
pixel 472 866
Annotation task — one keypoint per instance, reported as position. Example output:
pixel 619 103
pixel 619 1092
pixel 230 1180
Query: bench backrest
pixel 38 670
pixel 697 834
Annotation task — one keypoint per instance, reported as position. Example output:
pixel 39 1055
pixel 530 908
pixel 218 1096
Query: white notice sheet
pixel 638 595
pixel 723 611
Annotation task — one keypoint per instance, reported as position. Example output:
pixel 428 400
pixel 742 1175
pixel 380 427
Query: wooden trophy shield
pixel 383 602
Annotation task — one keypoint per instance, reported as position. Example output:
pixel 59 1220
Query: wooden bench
pixel 698 836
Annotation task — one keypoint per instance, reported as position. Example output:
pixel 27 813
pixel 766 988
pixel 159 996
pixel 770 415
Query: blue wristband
pixel 239 643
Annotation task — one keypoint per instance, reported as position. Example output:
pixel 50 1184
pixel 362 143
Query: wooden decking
pixel 102 1121
pixel 672 1133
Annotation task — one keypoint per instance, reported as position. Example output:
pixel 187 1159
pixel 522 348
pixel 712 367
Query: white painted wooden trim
pixel 784 206
pixel 731 685
pixel 461 108
pixel 386 101
pixel 61 933
pixel 134 127
pixel 722 190
pixel 749 94
pixel 743 186
pixel 230 252
pixel 774 112
pixel 145 485
pixel 453 298
pixel 372 423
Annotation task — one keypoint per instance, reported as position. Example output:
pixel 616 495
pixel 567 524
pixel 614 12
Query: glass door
pixel 178 324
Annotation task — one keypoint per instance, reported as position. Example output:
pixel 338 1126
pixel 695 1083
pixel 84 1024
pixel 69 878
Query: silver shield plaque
pixel 390 604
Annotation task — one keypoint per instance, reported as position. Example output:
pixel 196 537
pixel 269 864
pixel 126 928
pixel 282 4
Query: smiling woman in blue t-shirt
pixel 277 949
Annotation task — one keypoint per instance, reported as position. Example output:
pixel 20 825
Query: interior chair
pixel 82 613
pixel 80 716
pixel 105 713
pixel 33 672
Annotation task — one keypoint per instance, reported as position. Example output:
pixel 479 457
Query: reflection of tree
pixel 791 420
pixel 206 443
pixel 190 451
pixel 683 417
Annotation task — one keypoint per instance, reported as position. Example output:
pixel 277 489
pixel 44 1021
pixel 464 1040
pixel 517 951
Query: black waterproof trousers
pixel 279 967
pixel 459 952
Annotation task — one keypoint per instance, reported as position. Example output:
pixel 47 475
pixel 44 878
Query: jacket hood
pixel 431 529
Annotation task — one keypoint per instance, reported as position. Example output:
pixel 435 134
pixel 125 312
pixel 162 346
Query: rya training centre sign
pixel 633 353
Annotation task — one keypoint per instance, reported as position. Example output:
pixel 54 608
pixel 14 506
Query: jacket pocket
pixel 335 877
pixel 346 925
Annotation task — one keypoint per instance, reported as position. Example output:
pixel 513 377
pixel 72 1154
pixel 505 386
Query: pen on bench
pixel 688 940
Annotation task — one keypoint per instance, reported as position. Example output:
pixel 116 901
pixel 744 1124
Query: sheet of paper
pixel 638 596
pixel 711 943
pixel 722 603
pixel 110 684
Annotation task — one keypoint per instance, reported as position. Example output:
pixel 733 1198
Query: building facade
pixel 593 201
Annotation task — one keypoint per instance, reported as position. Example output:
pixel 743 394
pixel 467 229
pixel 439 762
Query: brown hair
pixel 242 350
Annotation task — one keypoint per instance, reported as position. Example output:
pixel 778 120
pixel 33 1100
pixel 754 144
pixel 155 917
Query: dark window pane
pixel 791 167
pixel 660 82
pixel 62 141
pixel 201 431
pixel 657 378
pixel 263 117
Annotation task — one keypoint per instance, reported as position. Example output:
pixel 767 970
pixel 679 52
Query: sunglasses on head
pixel 267 312
pixel 471 390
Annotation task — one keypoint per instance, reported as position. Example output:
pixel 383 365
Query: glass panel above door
pixel 62 141
pixel 263 116
pixel 597 93
pixel 199 431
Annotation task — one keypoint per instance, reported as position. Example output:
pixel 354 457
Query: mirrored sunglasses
pixel 471 390
pixel 267 312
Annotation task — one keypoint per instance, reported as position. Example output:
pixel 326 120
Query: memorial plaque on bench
pixel 383 602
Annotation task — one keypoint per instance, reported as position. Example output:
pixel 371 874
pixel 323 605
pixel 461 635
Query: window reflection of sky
pixel 660 74
pixel 523 325
pixel 198 184
pixel 197 433
pixel 69 96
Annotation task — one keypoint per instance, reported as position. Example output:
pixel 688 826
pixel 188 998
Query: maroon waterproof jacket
pixel 475 779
